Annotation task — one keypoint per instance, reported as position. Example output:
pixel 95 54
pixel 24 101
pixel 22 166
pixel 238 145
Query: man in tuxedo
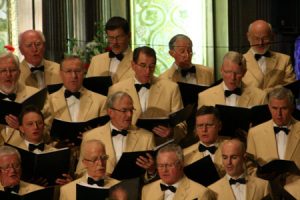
pixel 182 70
pixel 265 68
pixel 231 91
pixel 278 138
pixel 10 173
pixel 152 97
pixel 94 161
pixel 35 70
pixel 12 90
pixel 208 125
pixel 73 102
pixel 236 184
pixel 173 184
pixel 119 135
pixel 116 62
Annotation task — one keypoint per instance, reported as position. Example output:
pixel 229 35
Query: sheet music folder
pixel 234 118
pixel 44 194
pixel 189 92
pixel 98 84
pixel 127 168
pixel 14 108
pixel 202 171
pixel 171 121
pixel 49 165
pixel 63 130
pixel 84 192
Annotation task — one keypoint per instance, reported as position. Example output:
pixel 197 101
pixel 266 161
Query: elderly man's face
pixel 232 74
pixel 144 68
pixel 32 47
pixel 281 111
pixel 72 74
pixel 10 170
pixel 118 40
pixel 170 169
pixel 95 160
pixel 182 53
pixel 260 37
pixel 9 75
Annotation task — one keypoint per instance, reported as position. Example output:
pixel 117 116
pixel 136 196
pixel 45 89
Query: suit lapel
pixel 228 193
pixel 250 188
pixel 123 67
pixel 253 68
pixel 244 98
pixel 181 191
pixel 293 141
pixel 21 93
pixel 174 74
pixel 269 135
pixel 85 105
pixel 270 63
pixel 60 106
pixel 132 139
pixel 219 94
pixel 154 93
pixel 111 163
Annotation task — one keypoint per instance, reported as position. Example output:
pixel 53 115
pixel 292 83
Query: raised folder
pixel 189 92
pixel 98 84
pixel 63 130
pixel 171 121
pixel 84 192
pixel 202 171
pixel 49 165
pixel 234 118
pixel 127 168
pixel 44 194
pixel 14 108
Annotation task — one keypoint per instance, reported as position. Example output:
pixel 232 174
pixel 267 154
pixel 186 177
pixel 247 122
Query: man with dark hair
pixel 116 62
pixel 182 70
pixel 152 97
pixel 35 70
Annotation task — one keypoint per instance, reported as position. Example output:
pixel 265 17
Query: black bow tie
pixel 138 87
pixel 11 96
pixel 118 56
pixel 33 147
pixel 167 187
pixel 92 182
pixel 278 129
pixel 116 132
pixel 69 93
pixel 258 56
pixel 239 180
pixel 34 69
pixel 184 72
pixel 14 189
pixel 236 91
pixel 211 149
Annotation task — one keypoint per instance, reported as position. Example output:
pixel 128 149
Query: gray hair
pixel 15 59
pixel 87 143
pixel 71 57
pixel 40 33
pixel 172 148
pixel 236 58
pixel 8 150
pixel 174 39
pixel 281 93
pixel 111 99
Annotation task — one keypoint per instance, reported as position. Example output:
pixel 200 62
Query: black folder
pixel 234 118
pixel 63 130
pixel 202 171
pixel 44 194
pixel 171 121
pixel 84 192
pixel 127 168
pixel 278 192
pixel 98 84
pixel 295 88
pixel 189 92
pixel 49 165
pixel 14 108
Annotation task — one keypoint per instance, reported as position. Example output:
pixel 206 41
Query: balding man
pixel 94 159
pixel 236 184
pixel 35 70
pixel 265 68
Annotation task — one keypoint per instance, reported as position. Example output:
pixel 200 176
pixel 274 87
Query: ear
pixel 171 52
pixel 21 129
pixel 133 65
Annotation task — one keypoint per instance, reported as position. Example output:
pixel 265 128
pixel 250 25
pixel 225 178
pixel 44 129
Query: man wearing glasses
pixel 10 173
pixel 119 135
pixel 35 70
pixel 265 68
pixel 182 70
pixel 232 91
pixel 94 161
pixel 152 97
pixel 73 102
pixel 116 62
pixel 173 184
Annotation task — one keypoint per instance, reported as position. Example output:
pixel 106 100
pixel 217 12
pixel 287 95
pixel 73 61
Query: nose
pixel 35 124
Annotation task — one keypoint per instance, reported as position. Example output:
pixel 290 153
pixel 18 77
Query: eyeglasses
pixel 37 44
pixel 101 158
pixel 70 71
pixel 15 166
pixel 167 165
pixel 38 123
pixel 117 38
pixel 151 67
pixel 207 125
pixel 232 72
pixel 184 51
pixel 124 110
pixel 9 71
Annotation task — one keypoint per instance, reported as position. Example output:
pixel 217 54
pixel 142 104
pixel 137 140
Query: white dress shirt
pixel 239 190
pixel 143 96
pixel 232 99
pixel 119 143
pixel 39 76
pixel 281 142
pixel 189 78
